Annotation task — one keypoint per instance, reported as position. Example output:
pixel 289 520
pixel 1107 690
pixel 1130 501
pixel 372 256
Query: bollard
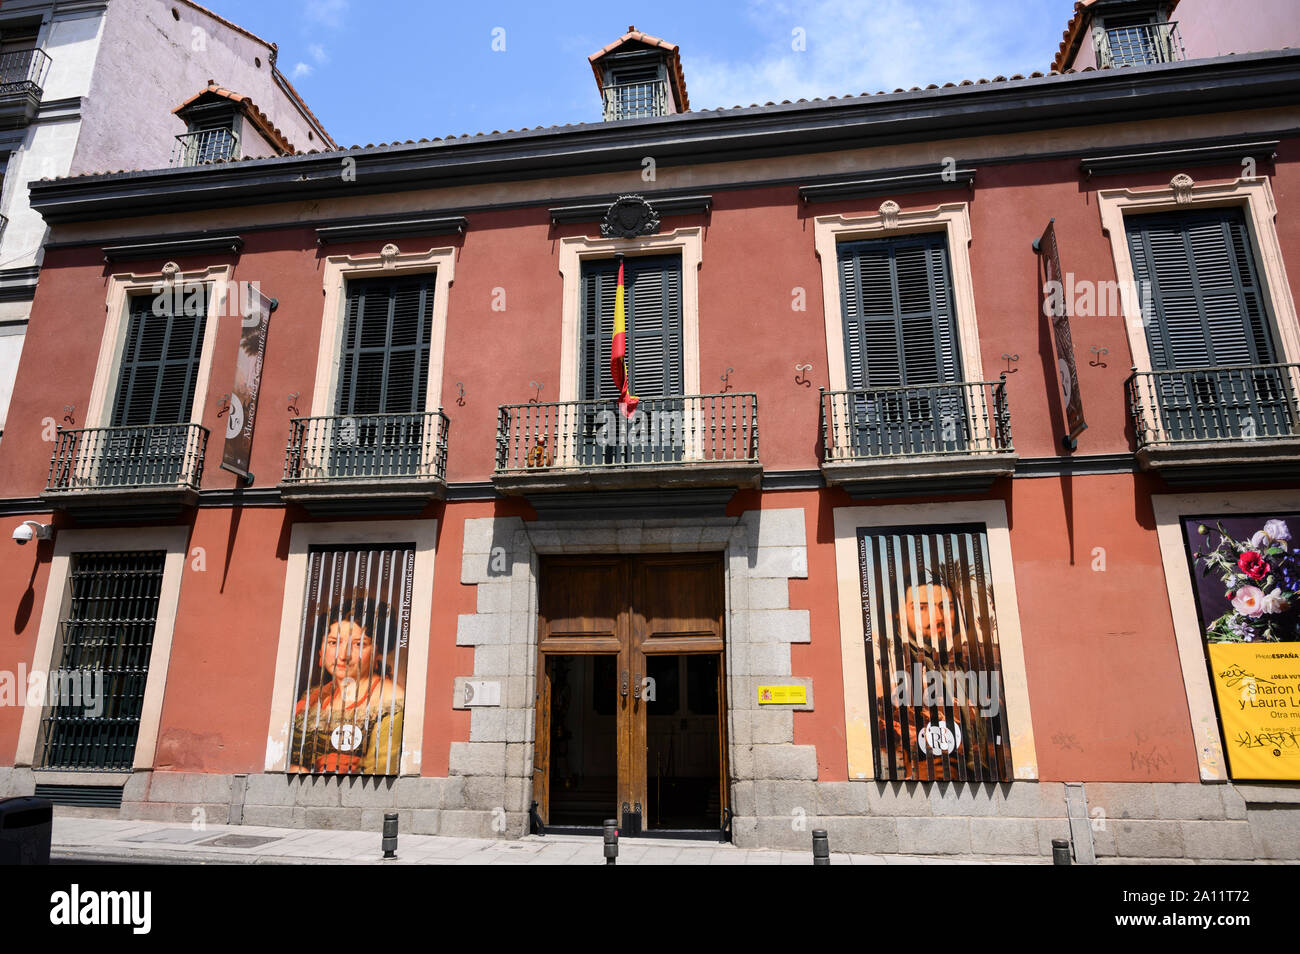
pixel 390 835
pixel 1060 851
pixel 611 841
pixel 821 847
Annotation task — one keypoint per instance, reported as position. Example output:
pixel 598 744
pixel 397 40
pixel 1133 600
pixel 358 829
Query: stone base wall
pixel 1106 821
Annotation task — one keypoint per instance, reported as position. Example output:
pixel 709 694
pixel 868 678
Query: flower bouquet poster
pixel 1246 573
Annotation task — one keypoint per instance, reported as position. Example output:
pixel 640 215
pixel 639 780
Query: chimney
pixel 639 75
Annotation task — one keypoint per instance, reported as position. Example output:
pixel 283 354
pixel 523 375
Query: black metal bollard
pixel 390 835
pixel 1060 851
pixel 821 847
pixel 611 841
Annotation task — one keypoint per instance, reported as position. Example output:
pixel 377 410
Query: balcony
pixel 902 441
pixel 117 472
pixel 22 74
pixel 700 447
pixel 1139 45
pixel 1240 422
pixel 635 100
pixel 205 146
pixel 366 463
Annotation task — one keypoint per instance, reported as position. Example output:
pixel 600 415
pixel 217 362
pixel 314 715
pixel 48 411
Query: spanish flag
pixel 618 351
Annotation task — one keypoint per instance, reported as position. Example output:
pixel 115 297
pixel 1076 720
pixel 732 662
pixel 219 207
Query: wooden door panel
pixel 679 596
pixel 582 598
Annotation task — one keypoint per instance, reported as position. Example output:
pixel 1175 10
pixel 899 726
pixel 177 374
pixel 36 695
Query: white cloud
pixel 301 70
pixel 328 12
pixel 853 47
pixel 318 53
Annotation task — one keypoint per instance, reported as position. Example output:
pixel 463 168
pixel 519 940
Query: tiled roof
pixel 259 118
pixel 635 35
pixel 846 99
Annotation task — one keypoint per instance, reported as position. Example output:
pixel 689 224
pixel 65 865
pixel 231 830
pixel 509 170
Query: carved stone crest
pixel 388 255
pixel 889 210
pixel 1182 186
pixel 630 216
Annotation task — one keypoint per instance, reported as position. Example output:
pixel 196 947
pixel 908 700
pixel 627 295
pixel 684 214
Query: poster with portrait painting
pixel 933 660
pixel 351 689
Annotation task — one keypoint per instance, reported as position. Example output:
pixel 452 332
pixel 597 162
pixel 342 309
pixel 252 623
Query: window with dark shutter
pixel 653 304
pixel 154 397
pixel 383 377
pixel 385 361
pixel 1207 328
pixel 160 363
pixel 900 345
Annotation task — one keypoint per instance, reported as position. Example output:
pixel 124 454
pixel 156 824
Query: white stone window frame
pixel 175 541
pixel 1254 196
pixel 952 219
pixel 122 288
pixel 389 262
pixel 302 538
pixel 1169 511
pixel 859 714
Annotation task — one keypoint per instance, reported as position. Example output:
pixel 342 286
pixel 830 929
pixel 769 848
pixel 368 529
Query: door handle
pixel 623 687
pixel 636 688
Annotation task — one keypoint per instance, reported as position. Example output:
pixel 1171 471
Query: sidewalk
pixel 80 838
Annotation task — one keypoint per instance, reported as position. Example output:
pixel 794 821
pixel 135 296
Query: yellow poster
pixel 1258 688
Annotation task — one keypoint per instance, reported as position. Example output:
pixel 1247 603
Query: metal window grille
pixel 933 659
pixel 102 661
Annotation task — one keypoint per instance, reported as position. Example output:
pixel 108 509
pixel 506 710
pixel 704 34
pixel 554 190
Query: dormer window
pixel 1136 38
pixel 639 75
pixel 210 136
pixel 221 124
pixel 636 86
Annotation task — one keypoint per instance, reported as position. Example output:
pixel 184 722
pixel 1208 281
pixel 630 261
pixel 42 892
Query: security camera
pixel 31 530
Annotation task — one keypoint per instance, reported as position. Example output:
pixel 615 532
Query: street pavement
pixel 80 837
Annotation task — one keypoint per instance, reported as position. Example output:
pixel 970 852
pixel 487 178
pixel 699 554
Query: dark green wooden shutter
pixel 654 326
pixel 899 324
pixel 385 355
pixel 1206 301
pixel 160 364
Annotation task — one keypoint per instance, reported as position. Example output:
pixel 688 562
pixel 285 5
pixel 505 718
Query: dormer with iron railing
pixel 639 76
pixel 1137 43
pixel 22 75
pixel 1109 34
pixel 222 125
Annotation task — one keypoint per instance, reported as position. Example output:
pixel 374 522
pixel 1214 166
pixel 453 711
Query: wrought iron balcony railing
pixel 578 435
pixel 23 70
pixel 634 100
pixel 926 420
pixel 163 456
pixel 1139 45
pixel 367 447
pixel 206 145
pixel 1198 405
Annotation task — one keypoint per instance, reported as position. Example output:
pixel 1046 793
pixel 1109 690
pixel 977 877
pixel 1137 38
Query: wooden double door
pixel 631 707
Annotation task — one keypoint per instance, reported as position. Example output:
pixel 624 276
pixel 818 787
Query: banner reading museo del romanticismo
pixel 1056 310
pixel 1247 580
pixel 257 310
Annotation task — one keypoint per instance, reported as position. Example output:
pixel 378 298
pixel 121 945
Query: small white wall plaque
pixel 482 692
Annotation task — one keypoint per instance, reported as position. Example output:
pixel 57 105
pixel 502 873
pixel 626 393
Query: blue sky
pixel 384 70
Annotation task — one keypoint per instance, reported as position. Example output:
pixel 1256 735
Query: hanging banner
pixel 1056 310
pixel 256 311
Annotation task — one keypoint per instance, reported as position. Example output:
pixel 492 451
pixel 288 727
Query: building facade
pixel 1008 344
pixel 93 85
